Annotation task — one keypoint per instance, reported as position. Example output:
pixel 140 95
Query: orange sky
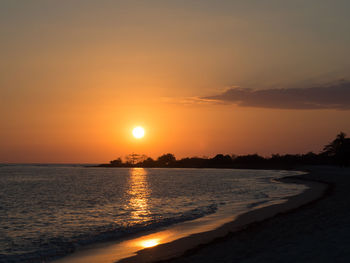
pixel 77 77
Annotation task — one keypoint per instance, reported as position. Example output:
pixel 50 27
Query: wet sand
pixel 316 232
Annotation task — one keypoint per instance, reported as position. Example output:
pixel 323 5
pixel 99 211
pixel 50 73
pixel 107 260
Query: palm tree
pixel 333 148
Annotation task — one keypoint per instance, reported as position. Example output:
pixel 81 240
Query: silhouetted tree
pixel 149 162
pixel 117 162
pixel 166 159
pixel 333 147
pixel 339 149
pixel 133 158
pixel 253 160
pixel 193 162
pixel 221 160
pixel 336 152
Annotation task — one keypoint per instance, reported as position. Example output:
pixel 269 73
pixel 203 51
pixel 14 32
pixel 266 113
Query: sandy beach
pixel 316 232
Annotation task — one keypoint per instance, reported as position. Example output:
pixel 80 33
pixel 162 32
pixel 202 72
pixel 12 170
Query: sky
pixel 202 77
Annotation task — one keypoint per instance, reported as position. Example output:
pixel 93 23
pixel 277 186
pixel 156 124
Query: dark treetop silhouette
pixel 336 152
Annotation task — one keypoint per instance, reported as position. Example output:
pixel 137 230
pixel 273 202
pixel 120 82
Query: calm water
pixel 49 211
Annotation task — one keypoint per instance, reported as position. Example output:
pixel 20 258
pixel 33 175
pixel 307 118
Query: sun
pixel 138 132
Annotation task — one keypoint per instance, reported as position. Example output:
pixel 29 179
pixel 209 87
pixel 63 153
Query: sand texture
pixel 317 232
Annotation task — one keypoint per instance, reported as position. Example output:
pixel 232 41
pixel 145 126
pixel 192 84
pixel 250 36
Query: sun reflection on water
pixel 139 193
pixel 149 243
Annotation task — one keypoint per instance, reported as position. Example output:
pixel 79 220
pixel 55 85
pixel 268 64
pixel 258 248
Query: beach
pixel 316 232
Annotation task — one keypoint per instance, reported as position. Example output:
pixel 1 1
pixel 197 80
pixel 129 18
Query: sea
pixel 49 211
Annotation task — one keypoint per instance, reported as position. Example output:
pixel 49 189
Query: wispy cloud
pixel 189 101
pixel 335 96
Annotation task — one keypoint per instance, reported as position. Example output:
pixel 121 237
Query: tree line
pixel 337 152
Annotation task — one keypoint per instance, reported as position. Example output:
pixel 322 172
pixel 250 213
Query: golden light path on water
pixel 138 192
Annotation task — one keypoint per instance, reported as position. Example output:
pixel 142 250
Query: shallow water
pixel 48 211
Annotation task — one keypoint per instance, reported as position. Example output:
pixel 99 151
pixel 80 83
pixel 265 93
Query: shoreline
pixel 315 232
pixel 185 245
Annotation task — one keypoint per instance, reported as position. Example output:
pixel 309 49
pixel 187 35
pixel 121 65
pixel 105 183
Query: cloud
pixel 189 101
pixel 335 96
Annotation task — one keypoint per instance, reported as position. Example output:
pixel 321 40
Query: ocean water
pixel 49 211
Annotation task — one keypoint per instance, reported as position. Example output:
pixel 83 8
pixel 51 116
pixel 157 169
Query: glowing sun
pixel 138 132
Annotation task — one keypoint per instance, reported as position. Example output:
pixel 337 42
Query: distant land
pixel 336 152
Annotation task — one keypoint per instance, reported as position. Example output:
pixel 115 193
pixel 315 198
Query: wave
pixel 58 247
pixel 252 205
